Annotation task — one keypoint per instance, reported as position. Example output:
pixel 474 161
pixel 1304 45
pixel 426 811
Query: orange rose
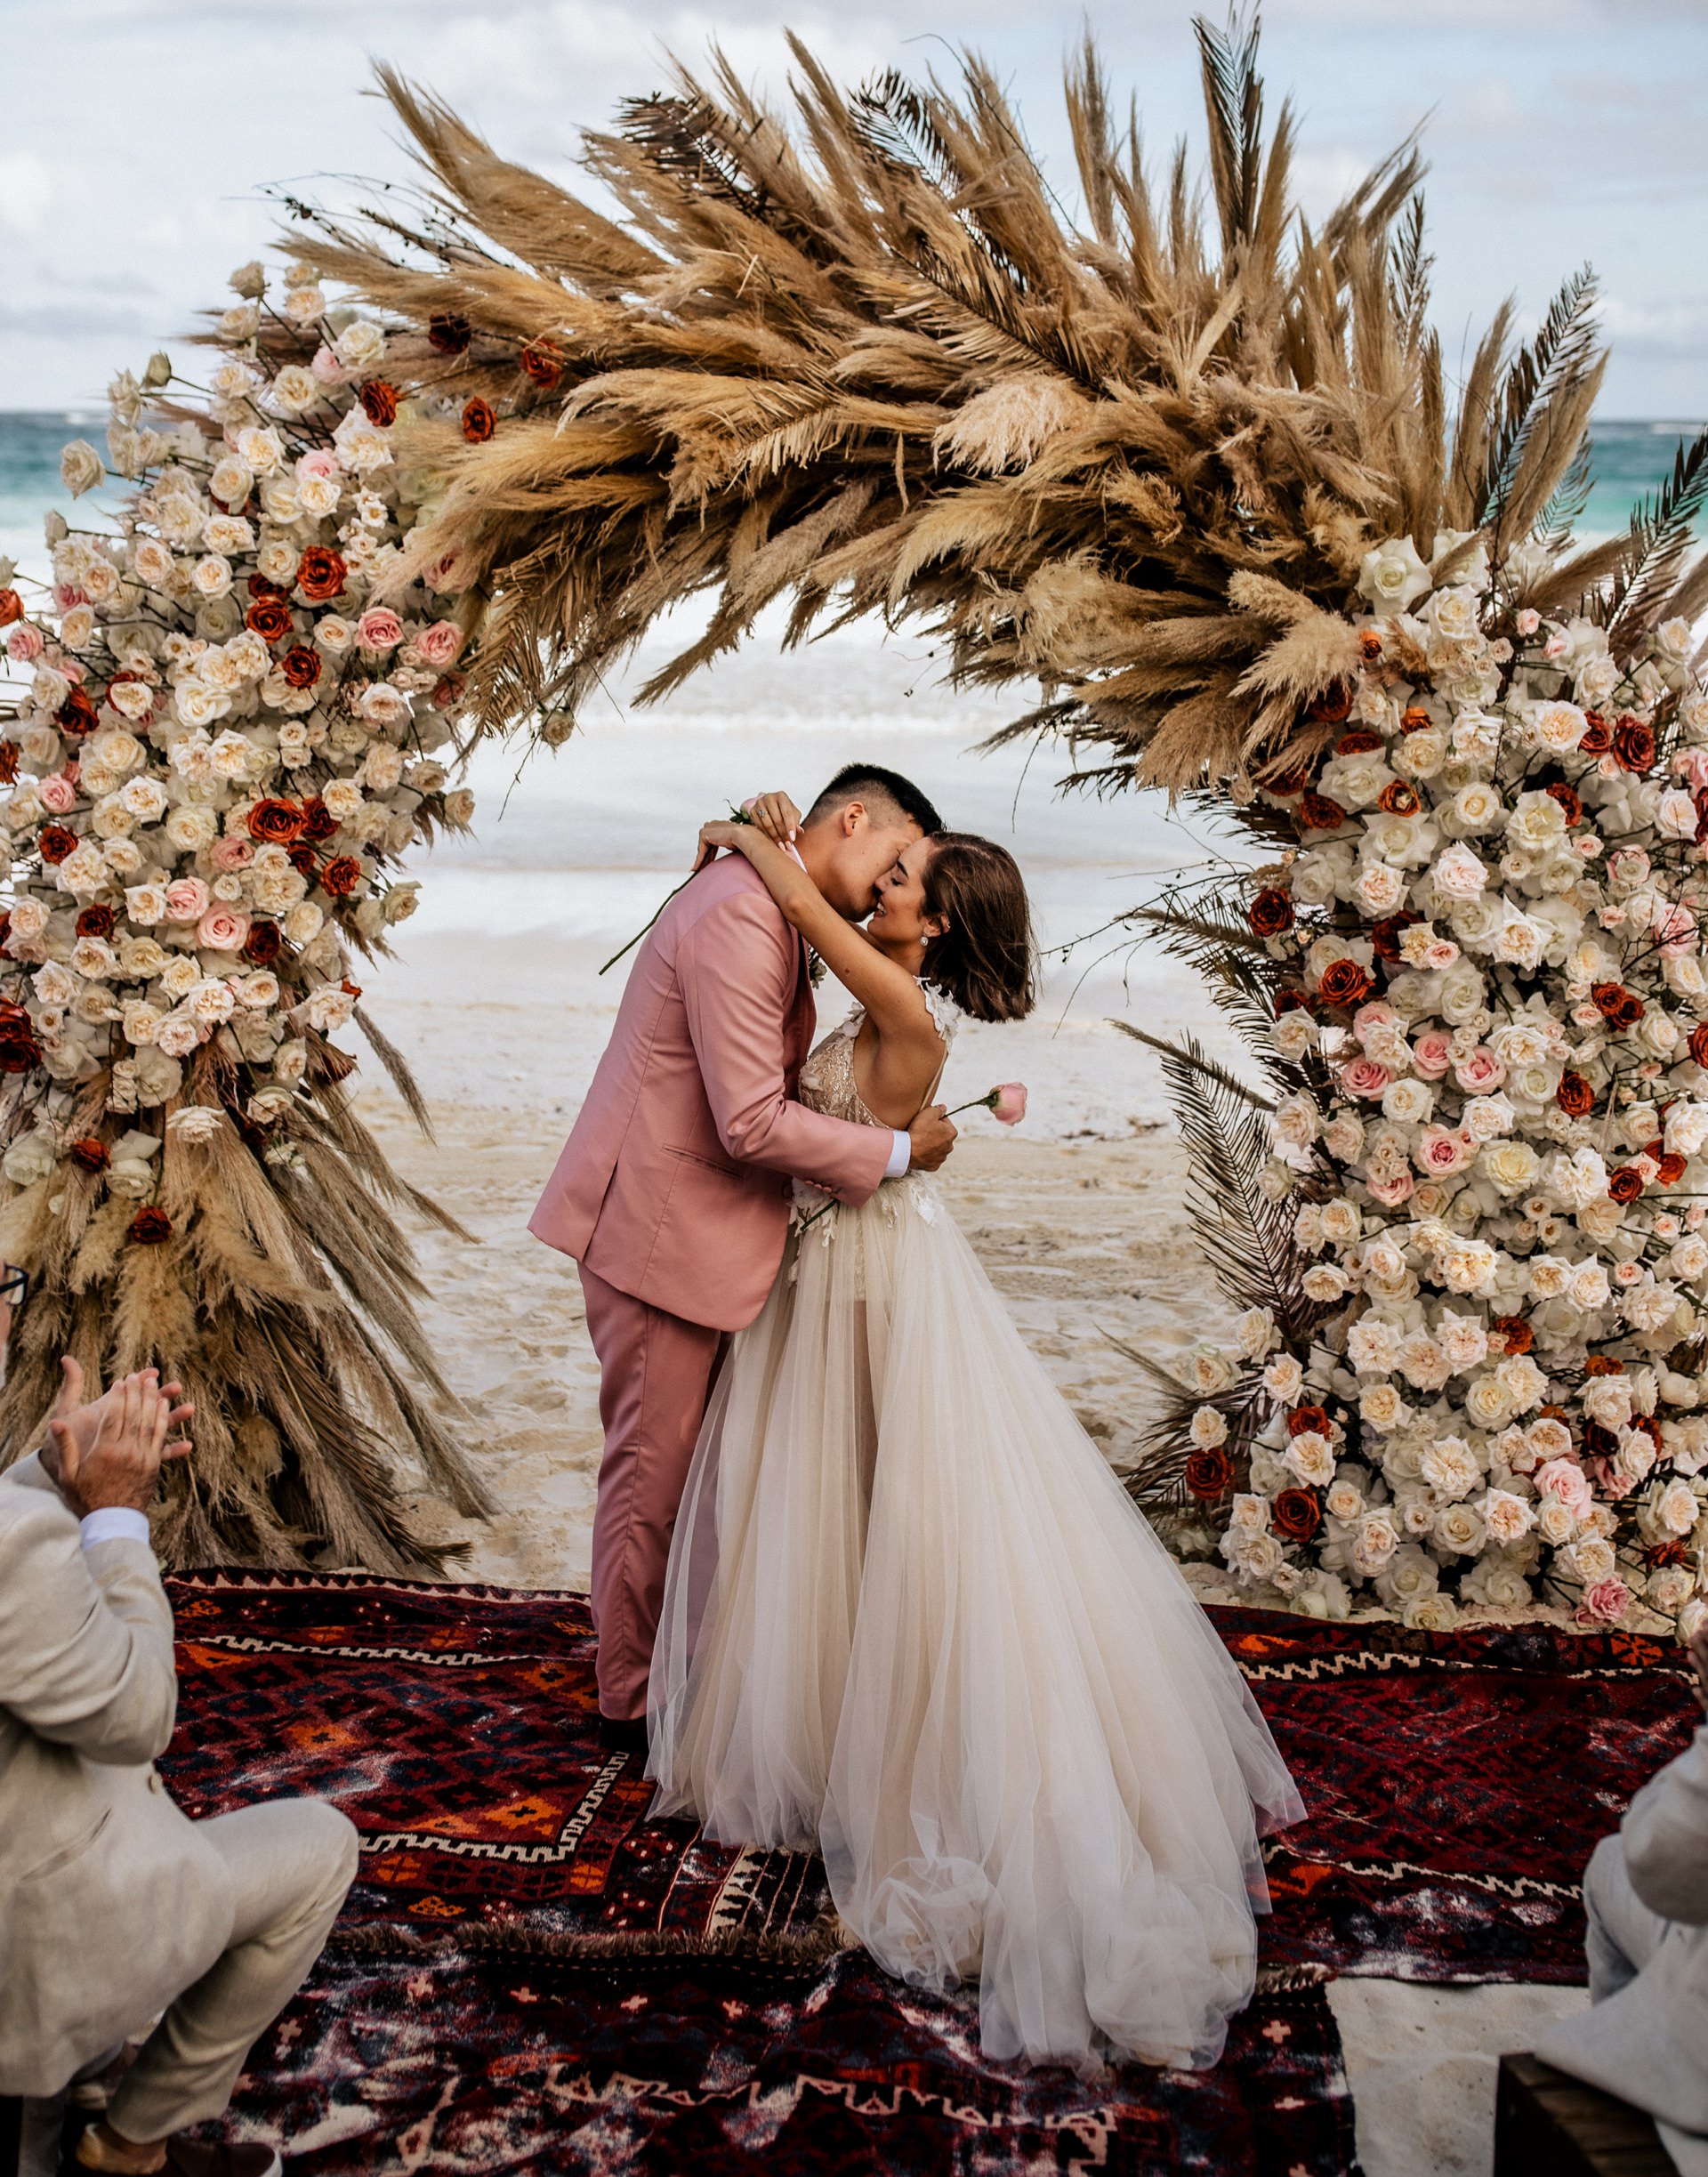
pixel 479 421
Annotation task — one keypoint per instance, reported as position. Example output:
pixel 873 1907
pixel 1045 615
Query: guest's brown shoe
pixel 187 2157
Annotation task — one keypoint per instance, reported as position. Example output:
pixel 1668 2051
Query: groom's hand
pixel 932 1135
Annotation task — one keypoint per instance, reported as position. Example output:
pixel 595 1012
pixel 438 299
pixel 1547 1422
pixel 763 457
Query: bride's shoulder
pixel 946 1014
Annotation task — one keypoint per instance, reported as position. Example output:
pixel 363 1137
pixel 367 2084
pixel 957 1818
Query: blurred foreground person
pixel 1645 2036
pixel 114 1907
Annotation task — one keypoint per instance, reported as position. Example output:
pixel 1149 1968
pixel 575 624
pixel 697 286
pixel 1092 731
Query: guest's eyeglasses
pixel 14 1286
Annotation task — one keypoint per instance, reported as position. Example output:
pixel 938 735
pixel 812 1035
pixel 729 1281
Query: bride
pixel 911 1618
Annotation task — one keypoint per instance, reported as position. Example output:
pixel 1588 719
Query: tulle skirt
pixel 912 1620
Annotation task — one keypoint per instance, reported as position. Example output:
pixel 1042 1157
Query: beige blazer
pixel 1649 2042
pixel 111 1903
pixel 675 1184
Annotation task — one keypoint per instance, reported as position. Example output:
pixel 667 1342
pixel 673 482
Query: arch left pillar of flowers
pixel 224 745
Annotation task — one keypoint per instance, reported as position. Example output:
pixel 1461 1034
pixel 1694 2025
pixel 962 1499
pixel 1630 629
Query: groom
pixel 672 1190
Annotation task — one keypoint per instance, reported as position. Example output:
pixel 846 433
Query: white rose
pixel 191 829
pixel 1676 1508
pixel 1587 1286
pixel 1380 889
pixel 81 467
pixel 144 799
pixel 1556 726
pixel 1432 1614
pixel 342 798
pixel 1381 1408
pixel 1374 1540
pixel 1512 1165
pixel 1686 1127
pixel 1453 614
pixel 1450 1467
pixel 261 449
pixel 1311 1457
pixel 1421 755
pixel 384 706
pixel 177 1036
pixel 1284 1378
pixel 1508 1519
pixel 360 345
pixel 1458 873
pixel 1459 1528
pixel 1209 1428
pixel 212 575
pixel 1392 576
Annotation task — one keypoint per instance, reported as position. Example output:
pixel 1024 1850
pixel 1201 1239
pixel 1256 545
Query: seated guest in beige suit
pixel 1645 2036
pixel 114 1907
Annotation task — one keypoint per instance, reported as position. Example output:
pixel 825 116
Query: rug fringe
pixel 1281 1980
pixel 809 1947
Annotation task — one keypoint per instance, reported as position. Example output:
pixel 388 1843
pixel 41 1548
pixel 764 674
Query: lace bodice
pixel 828 1078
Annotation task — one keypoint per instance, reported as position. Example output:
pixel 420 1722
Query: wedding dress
pixel 912 1620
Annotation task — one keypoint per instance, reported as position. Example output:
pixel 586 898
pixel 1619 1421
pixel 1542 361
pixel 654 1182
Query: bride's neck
pixel 911 957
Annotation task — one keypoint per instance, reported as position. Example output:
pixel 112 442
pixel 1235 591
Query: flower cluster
pixel 227 743
pixel 1490 988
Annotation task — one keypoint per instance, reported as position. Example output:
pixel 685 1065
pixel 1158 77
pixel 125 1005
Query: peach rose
pixel 379 629
pixel 1481 1073
pixel 24 645
pixel 57 794
pixel 1441 1148
pixel 187 899
pixel 230 854
pixel 1364 1077
pixel 439 644
pixel 1431 1054
pixel 222 929
pixel 1567 1482
pixel 1390 1192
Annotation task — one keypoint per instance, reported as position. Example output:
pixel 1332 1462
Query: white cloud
pixel 25 191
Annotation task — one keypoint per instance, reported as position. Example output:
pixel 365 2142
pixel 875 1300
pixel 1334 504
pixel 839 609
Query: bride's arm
pixel 889 994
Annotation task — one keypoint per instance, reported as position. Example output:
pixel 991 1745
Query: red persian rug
pixel 530 1978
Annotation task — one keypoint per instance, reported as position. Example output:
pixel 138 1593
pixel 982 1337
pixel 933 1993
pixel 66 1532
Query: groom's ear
pixel 853 816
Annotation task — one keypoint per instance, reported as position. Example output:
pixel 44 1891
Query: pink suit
pixel 672 1194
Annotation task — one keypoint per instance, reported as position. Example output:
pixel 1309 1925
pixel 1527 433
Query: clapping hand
pixel 109 1451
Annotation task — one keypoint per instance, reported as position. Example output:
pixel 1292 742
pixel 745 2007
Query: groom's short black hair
pixel 885 793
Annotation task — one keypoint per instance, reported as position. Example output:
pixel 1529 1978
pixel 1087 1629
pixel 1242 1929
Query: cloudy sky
pixel 134 135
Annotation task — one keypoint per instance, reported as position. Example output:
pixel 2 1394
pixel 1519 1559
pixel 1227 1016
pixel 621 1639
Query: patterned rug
pixel 1455 1784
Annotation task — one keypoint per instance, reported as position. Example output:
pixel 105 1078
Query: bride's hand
pixel 776 816
pixel 719 833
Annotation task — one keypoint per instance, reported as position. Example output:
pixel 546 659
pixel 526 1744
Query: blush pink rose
pixel 449 691
pixel 439 644
pixel 1605 1603
pixel 1365 1077
pixel 1628 865
pixel 1692 765
pixel 24 645
pixel 228 854
pixel 1369 1018
pixel 330 371
pixel 67 594
pixel 1675 928
pixel 57 794
pixel 1007 1103
pixel 1439 1149
pixel 1391 1192
pixel 222 929
pixel 1431 1054
pixel 379 629
pixel 1482 1073
pixel 1566 1479
pixel 187 899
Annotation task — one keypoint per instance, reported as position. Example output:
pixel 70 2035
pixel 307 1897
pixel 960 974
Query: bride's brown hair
pixel 986 960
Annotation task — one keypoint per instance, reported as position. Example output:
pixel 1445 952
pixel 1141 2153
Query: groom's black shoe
pixel 623 1734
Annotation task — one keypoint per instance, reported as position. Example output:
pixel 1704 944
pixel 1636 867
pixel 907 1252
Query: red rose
pixel 1386 934
pixel 304 860
pixel 6 927
pixel 1671 1168
pixel 78 713
pixel 1574 1096
pixel 1210 1474
pixel 1668 1552
pixel 1415 718
pixel 1633 745
pixel 449 335
pixel 1296 1514
pixel 1596 739
pixel 1607 998
pixel 151 1226
pixel 342 875
pixel 276 823
pixel 96 922
pixel 1290 1001
pixel 1359 742
pixel 258 585
pixel 301 665
pixel 1290 779
pixel 1344 983
pixel 379 401
pixel 56 842
pixel 479 421
pixel 1271 913
pixel 269 618
pixel 321 574
pixel 19 1051
pixel 1625 1184
pixel 90 1154
pixel 1603 1364
pixel 1305 1419
pixel 542 362
pixel 1699 1044
pixel 1397 798
pixel 262 944
pixel 12 608
pixel 1318 813
pixel 8 762
pixel 1370 646
pixel 1630 1009
pixel 318 820
pixel 1513 1332
pixel 1570 805
pixel 1333 704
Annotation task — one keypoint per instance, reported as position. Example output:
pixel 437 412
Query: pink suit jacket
pixel 673 1185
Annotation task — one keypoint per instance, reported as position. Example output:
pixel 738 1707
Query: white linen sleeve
pixel 112 1523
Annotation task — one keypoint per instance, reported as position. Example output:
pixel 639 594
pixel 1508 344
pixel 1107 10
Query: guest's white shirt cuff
pixel 901 1154
pixel 113 1523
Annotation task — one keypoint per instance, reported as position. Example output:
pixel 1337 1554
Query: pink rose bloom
pixel 1555 647
pixel 1369 1018
pixel 439 644
pixel 187 899
pixel 379 629
pixel 449 691
pixel 1605 1603
pixel 24 645
pixel 67 594
pixel 222 929
pixel 330 371
pixel 1529 620
pixel 228 854
pixel 1566 1479
pixel 1431 1054
pixel 57 794
pixel 1628 865
pixel 1692 765
pixel 73 668
pixel 1439 1149
pixel 1391 1192
pixel 1007 1103
pixel 1365 1077
pixel 450 573
pixel 1480 1074
pixel 1676 928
